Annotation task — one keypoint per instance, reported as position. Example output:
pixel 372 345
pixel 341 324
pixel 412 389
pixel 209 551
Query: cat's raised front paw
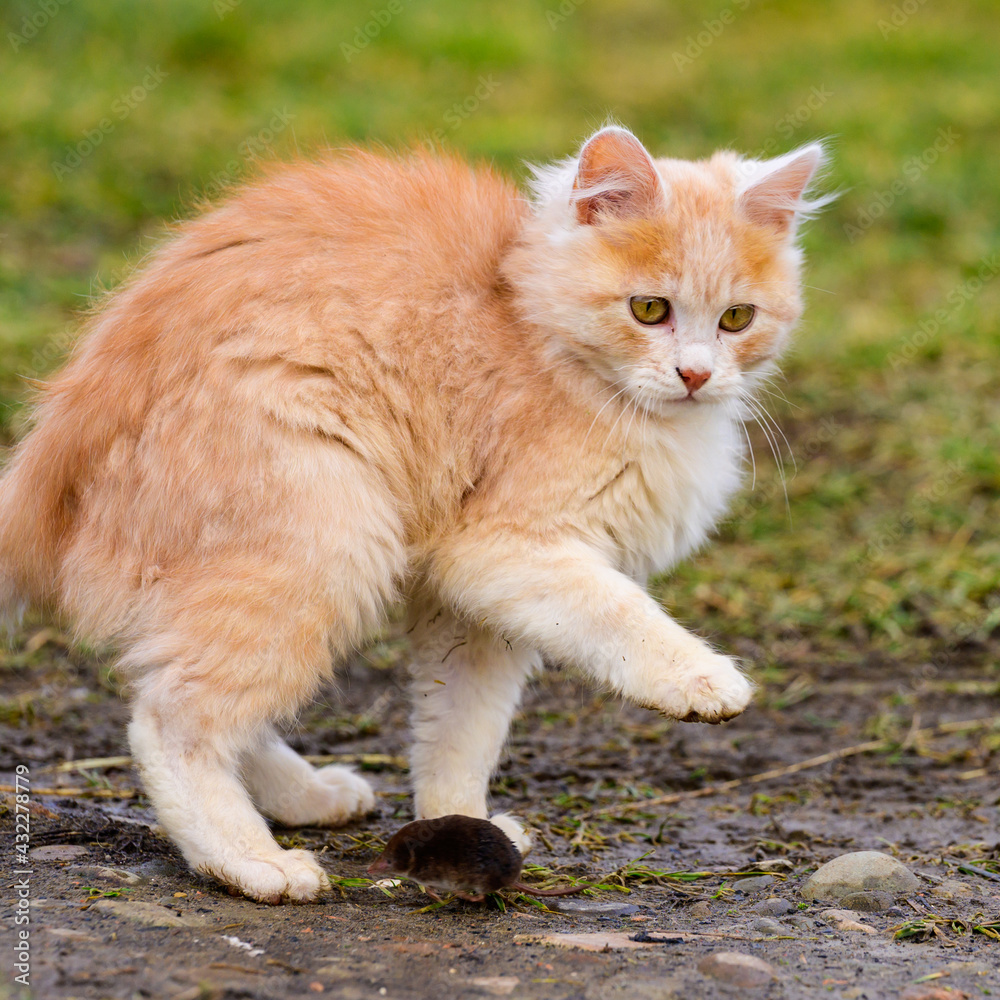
pixel 711 689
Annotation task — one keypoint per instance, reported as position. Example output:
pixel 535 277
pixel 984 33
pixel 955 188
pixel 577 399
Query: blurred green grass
pixel 886 546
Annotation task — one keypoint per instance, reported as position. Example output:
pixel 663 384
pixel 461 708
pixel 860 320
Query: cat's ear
pixel 773 191
pixel 615 176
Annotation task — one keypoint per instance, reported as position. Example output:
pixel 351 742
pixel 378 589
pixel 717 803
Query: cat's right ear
pixel 774 191
pixel 615 177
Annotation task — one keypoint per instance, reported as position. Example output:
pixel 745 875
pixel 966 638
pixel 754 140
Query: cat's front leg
pixel 466 687
pixel 563 598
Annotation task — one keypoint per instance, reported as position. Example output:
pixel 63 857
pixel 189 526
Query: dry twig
pixel 969 726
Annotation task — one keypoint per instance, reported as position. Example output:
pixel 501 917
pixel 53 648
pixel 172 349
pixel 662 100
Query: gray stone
pixel 147 914
pixel 120 876
pixel 59 852
pixel 700 910
pixel 736 969
pixel 754 883
pixel 766 926
pixel 869 901
pixel 773 906
pixel 801 923
pixel 856 872
pixel 590 907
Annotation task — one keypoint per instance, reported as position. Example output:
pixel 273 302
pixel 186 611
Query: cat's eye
pixel 649 309
pixel 737 318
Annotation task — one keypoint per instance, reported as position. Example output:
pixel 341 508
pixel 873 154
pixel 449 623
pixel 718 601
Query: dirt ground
pixel 575 763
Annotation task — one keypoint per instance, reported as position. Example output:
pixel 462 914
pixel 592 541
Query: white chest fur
pixel 669 491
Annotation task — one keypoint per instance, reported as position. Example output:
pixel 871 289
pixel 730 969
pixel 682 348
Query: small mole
pixel 459 854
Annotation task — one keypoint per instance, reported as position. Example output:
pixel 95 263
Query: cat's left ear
pixel 773 193
pixel 615 177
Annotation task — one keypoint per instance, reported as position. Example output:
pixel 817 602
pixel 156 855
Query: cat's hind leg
pixel 203 707
pixel 189 760
pixel 233 644
pixel 291 791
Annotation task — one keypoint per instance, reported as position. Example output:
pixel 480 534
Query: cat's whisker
pixel 611 432
pixel 603 408
pixel 781 397
pixel 755 411
pixel 770 386
pixel 753 460
pixel 765 427
pixel 645 423
pixel 635 410
pixel 777 429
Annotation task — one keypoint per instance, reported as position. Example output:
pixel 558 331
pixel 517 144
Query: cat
pixel 376 378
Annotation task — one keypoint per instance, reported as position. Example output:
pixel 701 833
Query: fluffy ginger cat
pixel 378 378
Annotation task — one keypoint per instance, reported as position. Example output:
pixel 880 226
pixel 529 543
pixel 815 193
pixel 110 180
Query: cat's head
pixel 676 281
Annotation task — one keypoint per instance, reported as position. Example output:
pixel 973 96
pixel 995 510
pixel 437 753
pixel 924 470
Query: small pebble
pixel 700 910
pixel 869 901
pixel 773 865
pixel 120 876
pixel 59 852
pixel 800 923
pixel 845 920
pixel 737 969
pixel 766 925
pixel 146 914
pixel 70 934
pixel 498 986
pixel 773 906
pixel 591 907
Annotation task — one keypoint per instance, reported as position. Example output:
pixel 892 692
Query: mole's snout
pixel 378 866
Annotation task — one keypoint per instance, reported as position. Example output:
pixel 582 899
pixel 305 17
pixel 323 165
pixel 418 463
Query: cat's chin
pixel 668 407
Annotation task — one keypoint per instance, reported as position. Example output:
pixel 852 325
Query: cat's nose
pixel 693 379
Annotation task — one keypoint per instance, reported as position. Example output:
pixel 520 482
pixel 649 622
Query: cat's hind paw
pixel 514 829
